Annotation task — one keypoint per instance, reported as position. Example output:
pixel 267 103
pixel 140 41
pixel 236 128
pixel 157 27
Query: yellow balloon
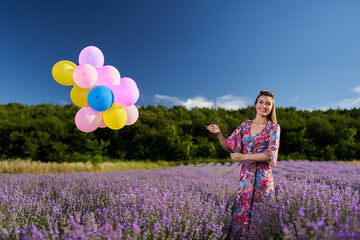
pixel 115 117
pixel 63 71
pixel 79 96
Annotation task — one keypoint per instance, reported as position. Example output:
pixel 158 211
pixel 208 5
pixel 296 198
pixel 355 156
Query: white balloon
pixel 133 114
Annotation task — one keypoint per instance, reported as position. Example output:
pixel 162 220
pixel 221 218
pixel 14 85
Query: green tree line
pixel 48 133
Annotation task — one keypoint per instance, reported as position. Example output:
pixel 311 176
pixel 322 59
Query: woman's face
pixel 264 105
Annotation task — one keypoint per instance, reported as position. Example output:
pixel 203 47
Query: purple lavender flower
pixel 187 202
pixel 135 227
pixel 301 213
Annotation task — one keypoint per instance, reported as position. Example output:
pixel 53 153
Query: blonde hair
pixel 272 114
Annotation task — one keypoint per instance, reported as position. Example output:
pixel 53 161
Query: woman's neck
pixel 260 120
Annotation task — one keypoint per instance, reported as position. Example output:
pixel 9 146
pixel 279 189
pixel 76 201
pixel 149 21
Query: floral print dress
pixel 256 180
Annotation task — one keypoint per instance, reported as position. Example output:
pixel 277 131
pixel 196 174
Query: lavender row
pixel 313 200
pixel 179 203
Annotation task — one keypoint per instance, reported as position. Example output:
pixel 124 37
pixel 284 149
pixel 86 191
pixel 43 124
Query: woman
pixel 256 144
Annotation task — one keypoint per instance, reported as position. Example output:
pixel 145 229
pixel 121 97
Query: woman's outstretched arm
pixel 213 128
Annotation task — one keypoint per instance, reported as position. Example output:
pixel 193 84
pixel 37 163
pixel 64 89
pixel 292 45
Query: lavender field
pixel 312 200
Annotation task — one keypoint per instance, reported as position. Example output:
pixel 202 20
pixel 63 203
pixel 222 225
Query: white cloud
pixel 232 102
pixel 172 100
pixel 356 89
pixel 62 102
pixel 198 102
pixel 349 103
pixel 227 102
pixel 323 108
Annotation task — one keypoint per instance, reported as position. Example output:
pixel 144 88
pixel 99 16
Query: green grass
pixel 37 167
pixel 352 162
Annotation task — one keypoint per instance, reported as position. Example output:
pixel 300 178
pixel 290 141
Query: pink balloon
pixel 109 76
pixel 92 55
pixel 85 76
pixel 102 124
pixel 87 119
pixel 132 113
pixel 129 80
pixel 126 93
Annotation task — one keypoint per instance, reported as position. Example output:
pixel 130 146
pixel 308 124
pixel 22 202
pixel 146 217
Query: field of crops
pixel 312 200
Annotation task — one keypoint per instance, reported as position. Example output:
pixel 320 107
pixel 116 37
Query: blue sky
pixel 189 52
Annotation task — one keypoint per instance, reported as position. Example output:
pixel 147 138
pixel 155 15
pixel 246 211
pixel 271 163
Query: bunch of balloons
pixel 106 99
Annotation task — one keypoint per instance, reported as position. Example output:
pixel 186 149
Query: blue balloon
pixel 100 98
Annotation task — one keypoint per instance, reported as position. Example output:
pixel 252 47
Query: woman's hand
pixel 213 128
pixel 238 157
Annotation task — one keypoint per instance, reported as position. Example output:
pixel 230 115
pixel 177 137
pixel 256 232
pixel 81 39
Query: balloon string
pixel 184 123
pixel 179 123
